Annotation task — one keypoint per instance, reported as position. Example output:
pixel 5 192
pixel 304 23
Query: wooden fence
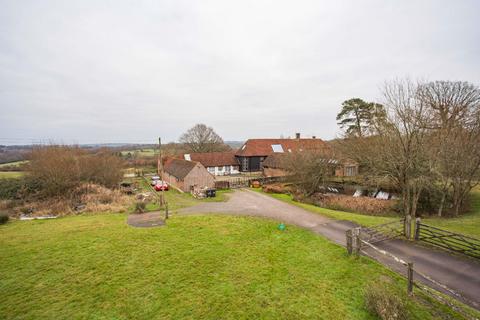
pixel 244 182
pixel 355 244
pixel 448 240
pixel 383 232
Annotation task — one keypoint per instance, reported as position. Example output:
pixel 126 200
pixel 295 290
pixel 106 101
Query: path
pixel 456 272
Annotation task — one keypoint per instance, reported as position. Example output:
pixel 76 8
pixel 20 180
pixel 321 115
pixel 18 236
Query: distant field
pixel 13 164
pixel 11 174
pixel 140 152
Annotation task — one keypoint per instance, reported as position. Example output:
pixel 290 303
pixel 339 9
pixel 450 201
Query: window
pixel 277 148
pixel 211 169
pixel 187 157
pixel 220 168
pixel 245 164
pixel 350 171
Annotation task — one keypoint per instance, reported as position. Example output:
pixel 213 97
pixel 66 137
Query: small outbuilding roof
pixel 179 168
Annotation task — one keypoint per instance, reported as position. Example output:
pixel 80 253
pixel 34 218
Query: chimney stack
pixel 314 137
pixel 297 135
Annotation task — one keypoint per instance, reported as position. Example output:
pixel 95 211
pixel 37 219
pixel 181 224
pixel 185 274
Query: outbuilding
pixel 187 175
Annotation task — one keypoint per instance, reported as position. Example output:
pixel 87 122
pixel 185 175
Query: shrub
pixel 56 170
pixel 140 207
pixel 9 188
pixel 4 217
pixel 383 302
pixel 364 205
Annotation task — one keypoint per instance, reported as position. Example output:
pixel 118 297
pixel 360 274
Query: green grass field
pixel 13 164
pixel 468 223
pixel 196 267
pixel 141 153
pixel 11 174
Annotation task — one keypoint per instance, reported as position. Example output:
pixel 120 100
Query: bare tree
pixel 201 138
pixel 310 169
pixel 455 143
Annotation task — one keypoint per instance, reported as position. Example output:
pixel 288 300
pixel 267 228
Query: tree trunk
pixel 442 202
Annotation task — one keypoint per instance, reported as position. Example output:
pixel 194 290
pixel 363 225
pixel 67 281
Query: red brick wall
pixel 198 177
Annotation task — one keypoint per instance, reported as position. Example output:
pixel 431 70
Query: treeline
pixel 425 140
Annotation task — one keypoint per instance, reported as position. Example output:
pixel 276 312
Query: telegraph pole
pixel 160 170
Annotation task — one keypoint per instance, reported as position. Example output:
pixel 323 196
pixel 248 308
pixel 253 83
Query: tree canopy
pixel 201 138
pixel 358 117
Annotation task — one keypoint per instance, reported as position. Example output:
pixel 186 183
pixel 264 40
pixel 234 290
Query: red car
pixel 161 186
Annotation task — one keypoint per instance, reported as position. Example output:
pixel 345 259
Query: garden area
pixel 215 267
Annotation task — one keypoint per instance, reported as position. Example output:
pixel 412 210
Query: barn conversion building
pixel 254 152
pixel 217 163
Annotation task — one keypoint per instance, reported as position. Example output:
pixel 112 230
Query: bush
pixel 57 170
pixel 363 205
pixel 383 302
pixel 9 188
pixel 140 207
pixel 4 217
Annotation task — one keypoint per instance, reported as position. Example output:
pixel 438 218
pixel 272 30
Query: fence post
pixel 410 278
pixel 417 229
pixel 356 241
pixel 348 234
pixel 408 226
pixel 166 211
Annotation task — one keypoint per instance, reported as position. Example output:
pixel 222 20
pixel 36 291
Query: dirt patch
pixel 146 220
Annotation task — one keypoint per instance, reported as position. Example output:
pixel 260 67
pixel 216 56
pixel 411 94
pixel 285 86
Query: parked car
pixel 161 186
pixel 154 181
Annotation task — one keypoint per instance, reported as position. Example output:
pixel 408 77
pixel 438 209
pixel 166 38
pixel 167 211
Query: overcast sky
pixel 130 71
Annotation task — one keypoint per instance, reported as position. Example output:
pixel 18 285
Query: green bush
pixel 384 303
pixel 4 217
pixel 9 188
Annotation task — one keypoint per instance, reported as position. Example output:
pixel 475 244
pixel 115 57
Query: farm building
pixel 275 165
pixel 254 152
pixel 187 175
pixel 217 163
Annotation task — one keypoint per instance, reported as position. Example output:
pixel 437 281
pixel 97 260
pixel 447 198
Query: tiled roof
pixel 276 161
pixel 179 168
pixel 214 159
pixel 263 147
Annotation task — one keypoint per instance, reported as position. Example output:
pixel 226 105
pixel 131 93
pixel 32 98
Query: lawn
pixel 468 223
pixel 196 267
pixel 11 174
pixel 177 200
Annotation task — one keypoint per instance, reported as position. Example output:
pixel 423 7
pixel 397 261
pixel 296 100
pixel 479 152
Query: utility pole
pixel 160 170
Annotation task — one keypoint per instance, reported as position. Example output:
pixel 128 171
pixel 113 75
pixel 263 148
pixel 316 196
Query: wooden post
pixel 417 229
pixel 166 211
pixel 408 227
pixel 410 278
pixel 160 170
pixel 356 241
pixel 348 234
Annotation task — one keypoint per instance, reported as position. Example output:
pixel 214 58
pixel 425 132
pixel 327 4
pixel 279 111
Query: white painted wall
pixel 221 171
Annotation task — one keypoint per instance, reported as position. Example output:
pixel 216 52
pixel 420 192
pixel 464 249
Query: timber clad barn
pixel 252 154
pixel 187 175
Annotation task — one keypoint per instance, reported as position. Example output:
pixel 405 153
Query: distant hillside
pixel 234 144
